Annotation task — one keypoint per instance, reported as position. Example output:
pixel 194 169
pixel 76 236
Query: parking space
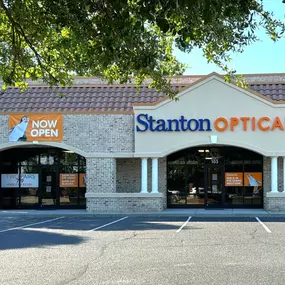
pixel 17 225
pixel 162 231
pixel 141 250
pixel 144 224
pixel 276 225
pixel 60 223
pixel 7 223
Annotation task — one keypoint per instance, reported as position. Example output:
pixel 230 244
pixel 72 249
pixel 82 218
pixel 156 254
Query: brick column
pixel 100 175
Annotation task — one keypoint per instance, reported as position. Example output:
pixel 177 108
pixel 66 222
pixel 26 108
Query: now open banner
pixel 35 127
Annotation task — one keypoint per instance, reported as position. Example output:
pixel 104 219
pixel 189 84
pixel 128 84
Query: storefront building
pixel 107 148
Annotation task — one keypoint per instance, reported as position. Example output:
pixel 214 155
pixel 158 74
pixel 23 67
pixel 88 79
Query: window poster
pixel 238 179
pixel 70 180
pixel 25 180
pixel 233 179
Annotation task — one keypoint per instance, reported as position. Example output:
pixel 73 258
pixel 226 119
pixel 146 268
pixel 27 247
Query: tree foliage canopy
pixel 119 39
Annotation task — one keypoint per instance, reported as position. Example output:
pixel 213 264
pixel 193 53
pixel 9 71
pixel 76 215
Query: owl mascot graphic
pixel 18 132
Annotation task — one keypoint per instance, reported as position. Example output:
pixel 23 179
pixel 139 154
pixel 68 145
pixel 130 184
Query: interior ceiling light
pixel 200 150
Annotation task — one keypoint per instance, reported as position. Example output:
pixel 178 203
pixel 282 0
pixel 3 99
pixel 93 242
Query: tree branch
pixel 16 25
pixel 13 52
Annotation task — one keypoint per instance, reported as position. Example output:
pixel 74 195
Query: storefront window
pixel 49 157
pixel 241 176
pixel 42 177
pixel 34 160
pixel 29 188
pixel 185 181
pixel 67 158
pixel 253 183
pixel 72 179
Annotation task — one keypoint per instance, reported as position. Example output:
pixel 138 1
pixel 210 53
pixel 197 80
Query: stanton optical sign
pixel 145 122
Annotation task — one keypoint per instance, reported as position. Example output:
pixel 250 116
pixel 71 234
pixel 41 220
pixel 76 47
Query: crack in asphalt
pixel 252 234
pixel 105 246
pixel 79 275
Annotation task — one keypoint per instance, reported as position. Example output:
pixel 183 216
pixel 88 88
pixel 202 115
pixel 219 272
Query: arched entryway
pixel 215 177
pixel 42 177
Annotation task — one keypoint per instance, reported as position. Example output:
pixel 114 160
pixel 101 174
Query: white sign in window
pixel 27 180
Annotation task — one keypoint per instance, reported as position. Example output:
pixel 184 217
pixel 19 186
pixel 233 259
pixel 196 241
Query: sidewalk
pixel 166 213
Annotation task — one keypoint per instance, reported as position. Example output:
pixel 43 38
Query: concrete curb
pixel 182 213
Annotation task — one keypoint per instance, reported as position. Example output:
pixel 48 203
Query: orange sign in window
pixel 68 180
pixel 233 179
pixel 71 180
pixel 82 180
pixel 237 179
pixel 253 179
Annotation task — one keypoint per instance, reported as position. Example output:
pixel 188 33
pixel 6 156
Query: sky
pixel 260 57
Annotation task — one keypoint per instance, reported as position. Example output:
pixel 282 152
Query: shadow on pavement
pixel 24 238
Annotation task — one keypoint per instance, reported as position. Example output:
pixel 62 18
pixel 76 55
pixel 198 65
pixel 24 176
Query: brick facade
pixel 127 183
pixel 104 133
pixel 3 129
pixel 274 204
pixel 129 175
pixel 91 133
pixel 101 175
pixel 128 180
pixel 126 204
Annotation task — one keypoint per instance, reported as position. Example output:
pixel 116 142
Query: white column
pixel 154 177
pixel 144 176
pixel 274 174
pixel 284 174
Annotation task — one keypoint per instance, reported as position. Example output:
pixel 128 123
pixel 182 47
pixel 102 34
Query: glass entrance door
pixel 214 186
pixel 49 187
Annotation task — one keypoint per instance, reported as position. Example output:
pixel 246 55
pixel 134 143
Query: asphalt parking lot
pixel 146 250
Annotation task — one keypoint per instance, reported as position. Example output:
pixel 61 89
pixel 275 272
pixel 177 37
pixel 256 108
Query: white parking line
pixel 25 226
pixel 184 225
pixel 107 224
pixel 265 227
